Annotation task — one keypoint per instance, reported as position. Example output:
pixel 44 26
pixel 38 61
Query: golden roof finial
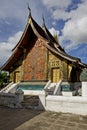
pixel 29 9
pixel 43 20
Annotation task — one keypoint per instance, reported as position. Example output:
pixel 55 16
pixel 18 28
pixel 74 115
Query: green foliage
pixel 3 78
pixel 83 76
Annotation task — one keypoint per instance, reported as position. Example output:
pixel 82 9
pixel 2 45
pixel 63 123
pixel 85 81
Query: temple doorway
pixel 55 74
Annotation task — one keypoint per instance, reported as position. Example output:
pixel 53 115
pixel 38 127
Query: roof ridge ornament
pixel 43 25
pixel 29 9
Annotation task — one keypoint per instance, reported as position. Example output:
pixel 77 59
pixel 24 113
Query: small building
pixel 39 56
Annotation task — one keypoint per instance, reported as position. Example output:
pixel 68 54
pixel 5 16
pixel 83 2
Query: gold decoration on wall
pixel 54 63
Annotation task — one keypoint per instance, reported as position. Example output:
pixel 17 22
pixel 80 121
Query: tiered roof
pixel 39 32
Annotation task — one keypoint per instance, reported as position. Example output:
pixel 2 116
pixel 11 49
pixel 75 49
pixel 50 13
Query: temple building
pixel 39 56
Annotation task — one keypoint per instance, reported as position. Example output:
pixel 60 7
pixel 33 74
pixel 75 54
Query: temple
pixel 39 56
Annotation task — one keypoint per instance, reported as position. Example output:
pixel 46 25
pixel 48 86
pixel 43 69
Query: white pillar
pixel 84 89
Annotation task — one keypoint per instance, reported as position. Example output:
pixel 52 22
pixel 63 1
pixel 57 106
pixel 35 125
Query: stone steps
pixel 30 101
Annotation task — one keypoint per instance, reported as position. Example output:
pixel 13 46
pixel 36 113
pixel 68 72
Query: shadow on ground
pixel 26 119
pixel 13 118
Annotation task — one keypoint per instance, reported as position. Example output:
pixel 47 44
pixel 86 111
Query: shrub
pixel 3 78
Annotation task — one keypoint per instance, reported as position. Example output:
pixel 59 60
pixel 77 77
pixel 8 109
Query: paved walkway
pixel 25 119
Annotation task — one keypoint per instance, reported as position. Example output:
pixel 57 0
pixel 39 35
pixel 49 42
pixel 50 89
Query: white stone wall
pixel 33 92
pixel 42 100
pixel 10 99
pixel 74 104
pixel 84 89
pixel 65 104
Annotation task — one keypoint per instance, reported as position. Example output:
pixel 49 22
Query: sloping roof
pixel 43 33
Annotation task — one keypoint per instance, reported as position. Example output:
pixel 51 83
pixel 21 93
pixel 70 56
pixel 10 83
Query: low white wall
pixel 33 92
pixel 75 105
pixel 12 88
pixel 10 99
pixel 5 88
pixel 7 99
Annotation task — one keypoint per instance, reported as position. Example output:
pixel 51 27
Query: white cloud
pixel 14 39
pixel 15 9
pixel 61 4
pixel 75 29
pixel 57 8
pixel 54 31
pixel 6 47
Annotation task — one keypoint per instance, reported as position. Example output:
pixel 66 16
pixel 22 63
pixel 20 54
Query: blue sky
pixel 67 18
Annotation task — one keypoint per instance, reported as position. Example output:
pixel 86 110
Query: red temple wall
pixel 34 63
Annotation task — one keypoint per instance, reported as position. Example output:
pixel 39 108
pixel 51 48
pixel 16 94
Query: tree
pixel 3 78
